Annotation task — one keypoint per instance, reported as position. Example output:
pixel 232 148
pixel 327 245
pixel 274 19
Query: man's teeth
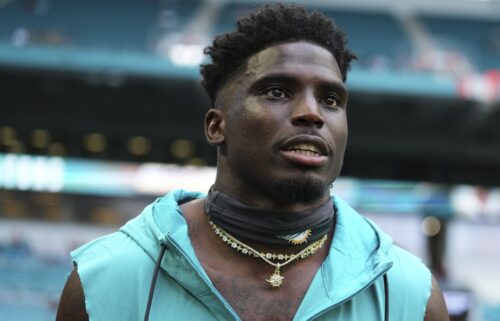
pixel 305 152
pixel 306 149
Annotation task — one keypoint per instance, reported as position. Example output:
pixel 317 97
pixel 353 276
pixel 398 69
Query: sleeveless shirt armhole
pixel 410 283
pixel 79 257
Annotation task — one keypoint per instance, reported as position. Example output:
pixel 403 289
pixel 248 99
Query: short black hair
pixel 269 25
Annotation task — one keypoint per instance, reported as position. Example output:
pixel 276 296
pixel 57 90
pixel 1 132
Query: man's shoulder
pixel 113 249
pixel 409 279
pixel 407 264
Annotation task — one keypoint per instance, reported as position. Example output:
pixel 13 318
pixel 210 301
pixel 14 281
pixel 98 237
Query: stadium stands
pixel 116 25
pixel 365 30
pixel 479 39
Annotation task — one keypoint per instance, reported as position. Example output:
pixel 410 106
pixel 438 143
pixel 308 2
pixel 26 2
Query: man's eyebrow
pixel 291 80
pixel 272 78
pixel 334 86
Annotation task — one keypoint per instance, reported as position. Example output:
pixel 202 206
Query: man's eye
pixel 275 93
pixel 331 101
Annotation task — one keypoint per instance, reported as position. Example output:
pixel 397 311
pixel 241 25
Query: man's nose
pixel 307 112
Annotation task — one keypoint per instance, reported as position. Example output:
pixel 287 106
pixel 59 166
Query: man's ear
pixel 215 127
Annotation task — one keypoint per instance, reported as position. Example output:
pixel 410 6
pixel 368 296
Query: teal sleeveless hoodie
pixel 116 272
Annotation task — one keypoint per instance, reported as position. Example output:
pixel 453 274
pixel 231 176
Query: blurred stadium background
pixel 101 111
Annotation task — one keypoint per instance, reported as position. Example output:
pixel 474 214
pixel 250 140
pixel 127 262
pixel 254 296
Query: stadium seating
pixel 478 39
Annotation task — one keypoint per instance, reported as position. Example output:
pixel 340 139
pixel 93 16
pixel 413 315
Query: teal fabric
pixel 116 272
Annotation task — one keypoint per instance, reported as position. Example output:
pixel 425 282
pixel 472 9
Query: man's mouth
pixel 305 150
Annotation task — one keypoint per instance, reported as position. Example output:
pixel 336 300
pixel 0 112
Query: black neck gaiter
pixel 268 226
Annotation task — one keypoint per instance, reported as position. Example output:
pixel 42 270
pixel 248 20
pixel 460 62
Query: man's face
pixel 285 125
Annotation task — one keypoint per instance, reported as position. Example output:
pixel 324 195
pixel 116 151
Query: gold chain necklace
pixel 275 279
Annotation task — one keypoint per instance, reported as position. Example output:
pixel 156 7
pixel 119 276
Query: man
pixel 267 242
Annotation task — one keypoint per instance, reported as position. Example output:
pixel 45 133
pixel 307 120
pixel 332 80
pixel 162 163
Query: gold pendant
pixel 276 279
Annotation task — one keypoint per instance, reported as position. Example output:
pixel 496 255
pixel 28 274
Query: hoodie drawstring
pixel 164 247
pixel 386 294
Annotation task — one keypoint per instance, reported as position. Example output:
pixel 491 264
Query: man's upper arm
pixel 72 303
pixel 436 307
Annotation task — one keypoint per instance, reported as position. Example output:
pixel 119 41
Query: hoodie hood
pixel 358 255
pixel 160 222
pixel 359 246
